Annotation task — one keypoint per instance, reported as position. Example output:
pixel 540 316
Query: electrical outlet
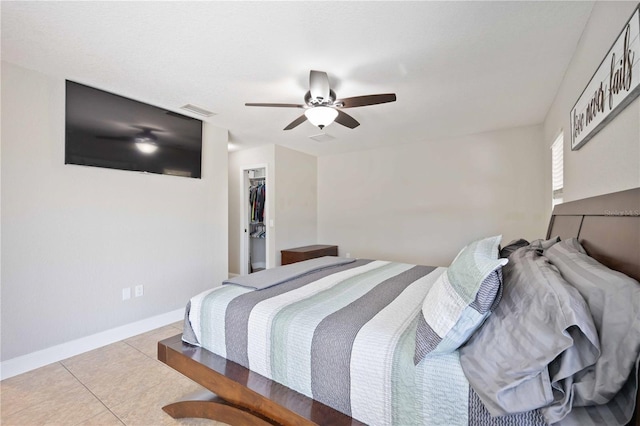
pixel 126 293
pixel 139 291
pixel 348 255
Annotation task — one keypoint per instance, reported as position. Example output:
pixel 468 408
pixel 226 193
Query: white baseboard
pixel 28 362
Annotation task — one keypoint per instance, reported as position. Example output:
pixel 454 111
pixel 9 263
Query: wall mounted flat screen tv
pixel 108 130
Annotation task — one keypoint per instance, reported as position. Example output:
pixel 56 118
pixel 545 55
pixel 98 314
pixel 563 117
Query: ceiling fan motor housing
pixel 312 102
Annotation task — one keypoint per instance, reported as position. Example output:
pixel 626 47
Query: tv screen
pixel 108 130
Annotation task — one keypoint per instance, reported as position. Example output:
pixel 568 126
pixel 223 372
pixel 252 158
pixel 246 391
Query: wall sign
pixel 613 86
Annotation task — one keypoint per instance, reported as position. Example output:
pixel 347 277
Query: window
pixel 557 171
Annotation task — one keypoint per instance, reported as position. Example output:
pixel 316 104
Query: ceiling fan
pixel 321 106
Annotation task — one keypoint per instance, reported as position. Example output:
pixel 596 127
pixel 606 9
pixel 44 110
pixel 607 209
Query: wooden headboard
pixel 608 227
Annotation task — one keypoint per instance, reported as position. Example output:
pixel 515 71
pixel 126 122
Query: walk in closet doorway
pixel 255 234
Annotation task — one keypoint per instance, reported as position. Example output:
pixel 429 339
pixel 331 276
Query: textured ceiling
pixel 457 67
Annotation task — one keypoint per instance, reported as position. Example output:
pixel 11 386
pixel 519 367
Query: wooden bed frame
pixel 608 227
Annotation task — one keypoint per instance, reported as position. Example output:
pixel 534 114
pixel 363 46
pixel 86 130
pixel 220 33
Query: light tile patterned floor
pixel 119 384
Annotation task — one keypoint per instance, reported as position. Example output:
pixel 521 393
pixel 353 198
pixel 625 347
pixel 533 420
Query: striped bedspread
pixel 344 336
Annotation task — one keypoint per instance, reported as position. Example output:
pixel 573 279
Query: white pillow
pixel 461 299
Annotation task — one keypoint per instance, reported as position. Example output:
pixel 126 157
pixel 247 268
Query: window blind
pixel 557 169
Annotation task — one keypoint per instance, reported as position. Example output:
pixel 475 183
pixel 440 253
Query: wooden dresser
pixel 299 254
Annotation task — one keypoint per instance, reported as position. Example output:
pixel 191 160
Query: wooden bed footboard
pixel 240 396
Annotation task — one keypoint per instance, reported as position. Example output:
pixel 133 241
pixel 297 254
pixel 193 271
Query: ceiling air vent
pixel 322 137
pixel 197 110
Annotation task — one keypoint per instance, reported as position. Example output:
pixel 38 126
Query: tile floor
pixel 119 384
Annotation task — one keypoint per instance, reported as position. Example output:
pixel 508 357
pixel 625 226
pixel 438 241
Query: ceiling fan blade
pixel 346 120
pixel 274 105
pixel 296 122
pixel 319 85
pixel 358 101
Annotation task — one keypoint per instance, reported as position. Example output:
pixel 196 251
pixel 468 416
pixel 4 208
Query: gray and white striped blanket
pixel 344 336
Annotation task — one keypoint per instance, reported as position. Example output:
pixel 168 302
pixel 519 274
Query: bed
pixel 606 227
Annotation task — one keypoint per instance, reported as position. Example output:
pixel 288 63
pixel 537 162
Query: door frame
pixel 244 220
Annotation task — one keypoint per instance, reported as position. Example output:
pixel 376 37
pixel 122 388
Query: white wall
pixel 421 203
pixel 296 199
pixel 610 161
pixel 74 236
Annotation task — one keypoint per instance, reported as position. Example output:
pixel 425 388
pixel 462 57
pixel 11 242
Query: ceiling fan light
pixel 146 147
pixel 321 116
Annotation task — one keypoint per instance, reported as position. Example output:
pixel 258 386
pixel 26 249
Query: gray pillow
pixel 538 337
pixel 614 301
pixel 512 246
